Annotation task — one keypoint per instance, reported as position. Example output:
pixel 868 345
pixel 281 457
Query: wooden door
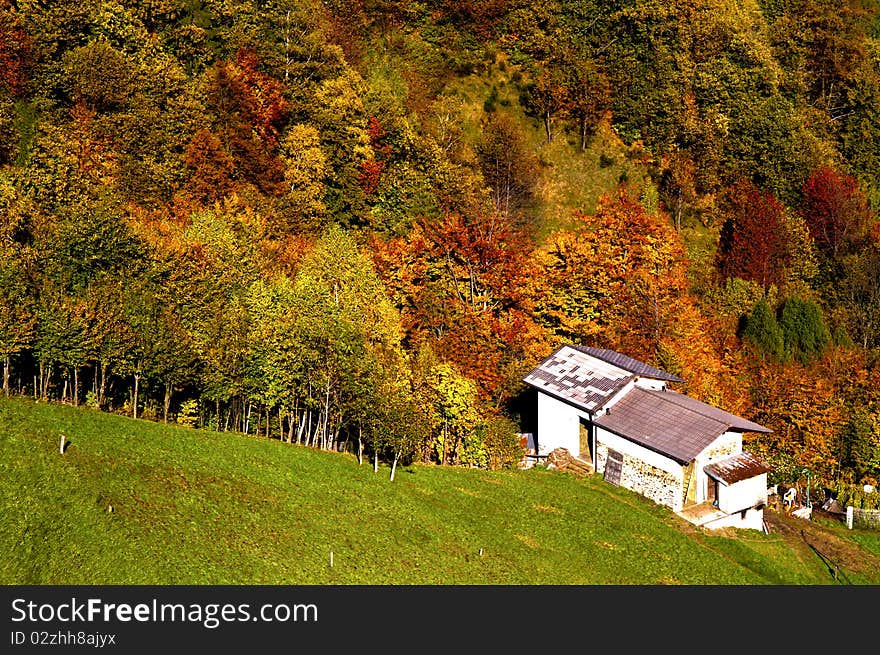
pixel 613 467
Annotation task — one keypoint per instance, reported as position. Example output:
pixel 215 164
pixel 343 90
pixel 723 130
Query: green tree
pixel 804 331
pixel 762 331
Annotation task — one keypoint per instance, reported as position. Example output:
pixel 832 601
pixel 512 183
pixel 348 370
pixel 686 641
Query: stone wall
pixel 723 448
pixel 660 486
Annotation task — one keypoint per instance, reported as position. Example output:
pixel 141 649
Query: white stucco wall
pixel 754 520
pixel 729 443
pixel 628 447
pixel 650 383
pixel 743 494
pixel 558 425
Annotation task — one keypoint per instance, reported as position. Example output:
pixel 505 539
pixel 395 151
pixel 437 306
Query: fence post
pixel 849 516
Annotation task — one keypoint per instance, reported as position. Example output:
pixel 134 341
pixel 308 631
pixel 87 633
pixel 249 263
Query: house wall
pixel 753 519
pixel 558 425
pixel 650 383
pixel 729 443
pixel 644 471
pixel 743 494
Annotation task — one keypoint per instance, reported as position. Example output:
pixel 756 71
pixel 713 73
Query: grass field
pixel 198 507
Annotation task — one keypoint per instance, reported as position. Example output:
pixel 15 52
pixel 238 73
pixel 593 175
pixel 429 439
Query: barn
pixel 621 416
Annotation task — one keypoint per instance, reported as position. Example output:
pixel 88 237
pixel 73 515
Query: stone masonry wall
pixel 660 486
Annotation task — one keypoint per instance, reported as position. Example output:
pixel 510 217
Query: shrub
pixel 188 414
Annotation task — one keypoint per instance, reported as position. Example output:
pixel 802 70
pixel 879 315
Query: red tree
pixel 753 243
pixel 16 53
pixel 836 211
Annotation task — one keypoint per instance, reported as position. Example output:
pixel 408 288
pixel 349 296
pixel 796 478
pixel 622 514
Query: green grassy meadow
pixel 198 507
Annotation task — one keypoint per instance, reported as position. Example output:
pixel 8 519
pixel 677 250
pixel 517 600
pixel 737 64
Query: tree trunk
pixel 6 375
pixel 167 404
pixel 360 447
pixel 102 388
pixel 678 207
pixel 326 415
pixel 76 386
pixel 375 461
pixel 394 464
pixel 134 410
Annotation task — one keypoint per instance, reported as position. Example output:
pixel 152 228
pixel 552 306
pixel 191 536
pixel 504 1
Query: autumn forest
pixel 356 224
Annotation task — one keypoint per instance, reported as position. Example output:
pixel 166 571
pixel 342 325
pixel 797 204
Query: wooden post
pixel 61 447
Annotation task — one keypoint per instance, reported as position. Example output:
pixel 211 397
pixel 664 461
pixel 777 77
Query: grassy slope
pixel 196 507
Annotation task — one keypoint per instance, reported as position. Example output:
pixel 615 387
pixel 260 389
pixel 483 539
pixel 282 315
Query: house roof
pixel 578 377
pixel 589 377
pixel 736 468
pixel 670 423
pixel 634 366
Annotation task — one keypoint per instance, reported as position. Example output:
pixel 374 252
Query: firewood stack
pixel 562 460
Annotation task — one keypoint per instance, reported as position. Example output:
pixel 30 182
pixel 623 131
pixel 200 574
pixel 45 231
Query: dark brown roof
pixel 575 377
pixel 629 364
pixel 736 468
pixel 669 423
pixel 735 422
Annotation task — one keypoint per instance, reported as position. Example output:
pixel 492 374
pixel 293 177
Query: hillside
pixel 134 502
pixel 357 225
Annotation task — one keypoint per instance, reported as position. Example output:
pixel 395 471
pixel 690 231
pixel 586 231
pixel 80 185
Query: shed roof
pixel 670 423
pixel 736 468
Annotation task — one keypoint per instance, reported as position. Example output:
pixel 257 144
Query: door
pixel 585 445
pixel 613 467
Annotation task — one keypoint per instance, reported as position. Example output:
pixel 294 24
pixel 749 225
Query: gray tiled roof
pixel 735 422
pixel 629 364
pixel 669 423
pixel 572 375
pixel 736 468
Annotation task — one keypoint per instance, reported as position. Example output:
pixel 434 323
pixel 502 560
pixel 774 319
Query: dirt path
pixel 811 538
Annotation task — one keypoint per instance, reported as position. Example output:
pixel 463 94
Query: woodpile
pixel 562 460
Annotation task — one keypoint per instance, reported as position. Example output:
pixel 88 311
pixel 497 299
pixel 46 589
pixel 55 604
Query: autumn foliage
pixel 836 211
pixel 752 244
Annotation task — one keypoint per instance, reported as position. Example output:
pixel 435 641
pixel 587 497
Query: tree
pixel 588 95
pixel 17 317
pixel 804 332
pixel 508 166
pixel 547 96
pixel 762 331
pixel 860 296
pixel 836 211
pixel 210 167
pixel 753 243
pixel 99 75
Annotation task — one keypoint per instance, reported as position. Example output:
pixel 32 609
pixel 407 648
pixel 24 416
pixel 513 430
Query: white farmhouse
pixel 619 414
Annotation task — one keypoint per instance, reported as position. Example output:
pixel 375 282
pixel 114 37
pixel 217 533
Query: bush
pixel 189 413
pixel 502 443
